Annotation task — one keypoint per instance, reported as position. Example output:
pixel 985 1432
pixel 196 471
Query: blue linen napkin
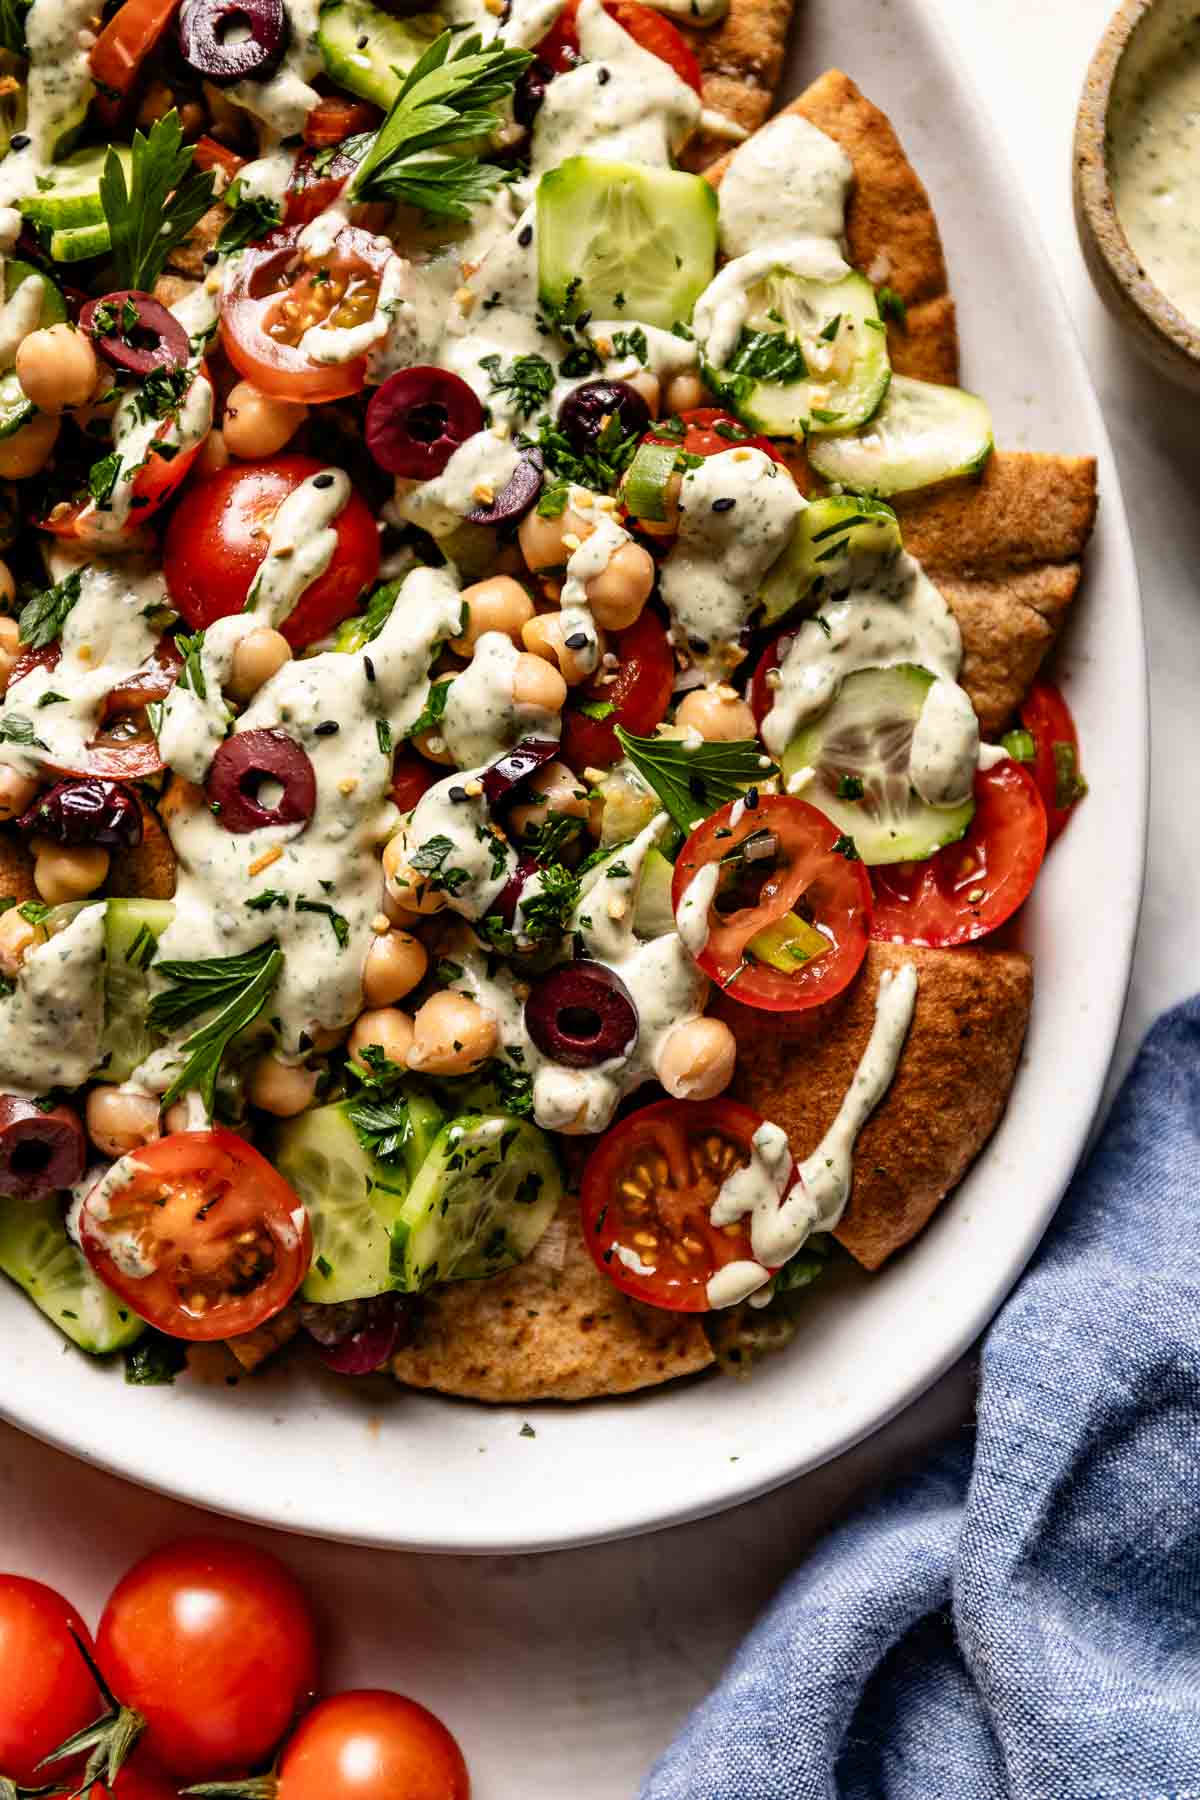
pixel 1022 1617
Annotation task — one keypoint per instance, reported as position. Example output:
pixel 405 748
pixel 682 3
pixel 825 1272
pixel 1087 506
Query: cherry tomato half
pixel 639 696
pixel 412 776
pixel 372 1745
pixel 559 49
pixel 1047 718
pixel 701 436
pixel 260 331
pixel 780 856
pixel 46 1692
pixel 224 1238
pixel 218 537
pixel 648 1189
pixel 213 1643
pixel 971 887
pixel 125 748
pixel 336 117
pixel 309 192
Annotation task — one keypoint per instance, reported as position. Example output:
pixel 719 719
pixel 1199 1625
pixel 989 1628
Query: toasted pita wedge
pixel 950 1089
pixel 16 869
pixel 548 1332
pixel 740 60
pixel 148 872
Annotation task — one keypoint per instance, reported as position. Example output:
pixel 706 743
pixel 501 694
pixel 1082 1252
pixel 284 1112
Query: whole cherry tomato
pixel 372 1745
pixel 46 1691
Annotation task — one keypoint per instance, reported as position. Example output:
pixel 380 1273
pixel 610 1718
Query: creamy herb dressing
pixel 783 1217
pixel 622 102
pixel 590 560
pixel 482 718
pixel 723 307
pixel 135 431
pixel 284 102
pixel 19 316
pixel 52 1021
pixel 478 470
pixel 790 181
pixel 58 87
pixel 691 915
pixel 1154 161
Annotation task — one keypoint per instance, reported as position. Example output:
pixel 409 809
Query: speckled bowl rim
pixel 1096 208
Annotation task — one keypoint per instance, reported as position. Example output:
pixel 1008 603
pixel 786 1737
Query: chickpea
pixel 395 963
pixel 618 594
pixel 28 450
pixel 63 872
pixel 178 1117
pixel 432 745
pixel 541 540
pixel 16 792
pixel 10 650
pixel 645 383
pixel 118 1122
pixel 57 368
pixel 280 1088
pixel 8 587
pixel 17 938
pixel 717 713
pixel 257 424
pixel 452 1035
pixel 383 1028
pixel 214 455
pixel 561 792
pixel 696 1060
pixel 536 684
pixel 497 604
pixel 546 636
pixel 684 393
pixel 260 655
pixel 410 890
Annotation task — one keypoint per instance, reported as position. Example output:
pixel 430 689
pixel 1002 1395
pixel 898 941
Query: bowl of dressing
pixel 1137 179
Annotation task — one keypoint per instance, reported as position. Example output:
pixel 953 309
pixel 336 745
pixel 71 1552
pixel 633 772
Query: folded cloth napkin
pixel 1022 1617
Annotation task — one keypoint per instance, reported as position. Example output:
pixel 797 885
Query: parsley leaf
pixel 155 1360
pixel 234 989
pixel 891 306
pixel 102 478
pixel 250 220
pixel 692 784
pixel 267 899
pixel 546 906
pixel 16 730
pixel 339 923
pixel 44 615
pixel 431 713
pixel 383 1126
pixel 192 674
pixel 158 209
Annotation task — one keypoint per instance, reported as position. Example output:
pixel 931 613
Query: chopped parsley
pixel 44 614
pixel 338 922
pixel 529 379
pixel 251 219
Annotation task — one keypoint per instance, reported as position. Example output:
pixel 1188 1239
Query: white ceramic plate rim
pixel 294 1449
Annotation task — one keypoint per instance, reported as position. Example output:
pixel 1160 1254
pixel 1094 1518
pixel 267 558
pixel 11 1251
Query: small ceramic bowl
pixel 1138 31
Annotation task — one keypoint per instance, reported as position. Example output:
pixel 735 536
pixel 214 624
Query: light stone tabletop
pixel 565 1674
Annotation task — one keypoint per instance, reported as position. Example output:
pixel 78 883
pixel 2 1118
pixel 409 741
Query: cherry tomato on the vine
pixel 372 1745
pixel 213 1644
pixel 138 1779
pixel 46 1691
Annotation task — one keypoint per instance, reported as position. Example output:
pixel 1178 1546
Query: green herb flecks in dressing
pixel 478 470
pixel 137 440
pixel 59 37
pixel 622 102
pixel 789 181
pixel 736 513
pixel 1154 158
pixel 453 847
pixel 482 719
pixel 782 1220
pixel 19 316
pixel 284 102
pixel 51 1023
pixel 725 304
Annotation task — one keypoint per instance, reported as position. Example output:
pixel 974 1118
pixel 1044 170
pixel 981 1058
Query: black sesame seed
pixel 525 236
pixel 327 728
pixel 305 1041
pixel 578 640
pixel 362 42
pixel 326 481
pixel 291 142
pixel 211 257
pixel 725 505
pixel 19 141
pixel 368 668
pixel 699 645
pixel 752 800
pixel 458 795
pixel 603 76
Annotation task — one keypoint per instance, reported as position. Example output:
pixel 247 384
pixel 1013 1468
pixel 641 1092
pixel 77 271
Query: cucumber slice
pixel 861 746
pixel 654 915
pixel 812 357
pixel 54 307
pixel 622 238
pixel 352 1196
pixel 71 194
pixel 132 929
pixel 16 409
pixel 37 1254
pixel 392 46
pixel 489 1188
pixel 923 434
pixel 838 543
pixel 80 243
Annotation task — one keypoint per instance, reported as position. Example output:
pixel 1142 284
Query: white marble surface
pixel 568 1673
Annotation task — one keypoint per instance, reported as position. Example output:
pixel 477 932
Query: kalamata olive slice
pixel 505 904
pixel 587 408
pixel 101 814
pixel 363 1335
pixel 233 40
pixel 581 1015
pixel 530 91
pixel 418 419
pixel 39 1151
pixel 502 778
pixel 516 496
pixel 135 332
pixel 244 765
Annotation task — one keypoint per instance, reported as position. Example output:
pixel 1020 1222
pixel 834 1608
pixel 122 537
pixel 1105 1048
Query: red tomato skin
pixel 666 1125
pixel 156 482
pixel 400 1752
pixel 929 903
pixel 700 438
pixel 640 694
pixel 560 47
pixel 1047 718
pixel 213 1643
pixel 843 885
pixel 411 777
pixel 213 548
pixel 138 1779
pixel 46 1692
pixel 336 117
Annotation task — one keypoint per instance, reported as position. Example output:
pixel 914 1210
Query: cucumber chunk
pixel 645 487
pixel 37 1254
pixel 80 243
pixel 812 356
pixel 860 748
pixel 132 929
pixel 922 434
pixel 788 944
pixel 71 195
pixel 489 1188
pixel 625 240
pixel 654 915
pixel 353 1197
pixel 838 543
pixel 393 46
